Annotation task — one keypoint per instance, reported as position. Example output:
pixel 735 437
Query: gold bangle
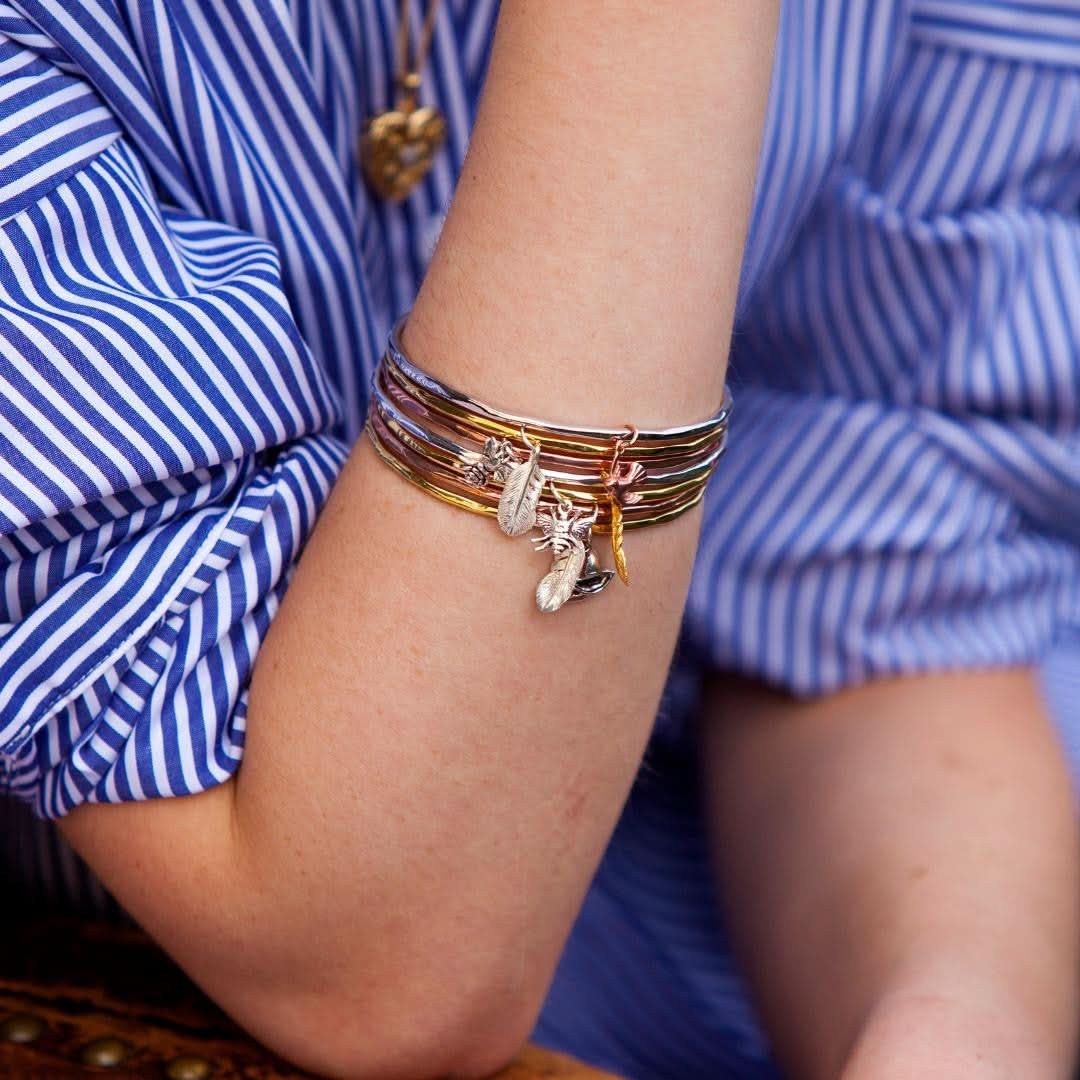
pixel 453 489
pixel 570 482
pixel 441 453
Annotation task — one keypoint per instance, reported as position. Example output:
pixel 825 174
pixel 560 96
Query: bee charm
pixel 567 533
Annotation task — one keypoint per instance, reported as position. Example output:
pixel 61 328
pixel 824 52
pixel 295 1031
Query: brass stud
pixel 188 1068
pixel 105 1053
pixel 22 1028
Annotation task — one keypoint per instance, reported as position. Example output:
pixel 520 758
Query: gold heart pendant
pixel 398 148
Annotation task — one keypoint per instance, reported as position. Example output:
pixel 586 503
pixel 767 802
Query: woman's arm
pixel 900 863
pixel 432 768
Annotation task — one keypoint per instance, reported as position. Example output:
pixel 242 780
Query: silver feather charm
pixel 567 532
pixel 557 585
pixel 520 494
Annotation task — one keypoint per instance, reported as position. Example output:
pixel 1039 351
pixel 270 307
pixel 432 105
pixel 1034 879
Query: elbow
pixel 440 1025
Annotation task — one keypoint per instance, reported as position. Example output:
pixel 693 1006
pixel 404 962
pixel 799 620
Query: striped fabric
pixel 1061 685
pixel 904 489
pixel 195 285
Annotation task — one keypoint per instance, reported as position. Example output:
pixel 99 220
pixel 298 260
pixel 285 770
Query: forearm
pixel 900 864
pixel 432 767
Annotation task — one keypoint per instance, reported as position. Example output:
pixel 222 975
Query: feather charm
pixel 567 533
pixel 616 543
pixel 521 493
pixel 619 482
pixel 557 585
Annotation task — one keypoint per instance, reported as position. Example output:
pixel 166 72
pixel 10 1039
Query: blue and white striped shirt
pixel 195 286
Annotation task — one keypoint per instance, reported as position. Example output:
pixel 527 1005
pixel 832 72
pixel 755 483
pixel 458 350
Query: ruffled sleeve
pixel 165 446
pixel 902 489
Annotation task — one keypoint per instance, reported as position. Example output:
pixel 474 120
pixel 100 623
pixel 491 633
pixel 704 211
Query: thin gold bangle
pixel 484 503
pixel 446 452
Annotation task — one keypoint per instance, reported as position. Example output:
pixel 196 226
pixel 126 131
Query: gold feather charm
pixel 521 493
pixel 616 543
pixel 618 481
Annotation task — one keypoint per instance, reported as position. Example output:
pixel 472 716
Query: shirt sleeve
pixel 902 487
pixel 164 452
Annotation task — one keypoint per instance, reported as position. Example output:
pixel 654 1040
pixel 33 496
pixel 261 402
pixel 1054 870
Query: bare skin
pixel 901 866
pixel 432 767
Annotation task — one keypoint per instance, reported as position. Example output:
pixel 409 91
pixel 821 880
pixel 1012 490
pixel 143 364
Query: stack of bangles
pixel 570 483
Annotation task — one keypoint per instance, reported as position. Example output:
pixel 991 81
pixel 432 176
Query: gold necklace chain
pixel 398 146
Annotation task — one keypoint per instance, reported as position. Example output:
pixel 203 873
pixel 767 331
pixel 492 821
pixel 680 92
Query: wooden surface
pixel 85 982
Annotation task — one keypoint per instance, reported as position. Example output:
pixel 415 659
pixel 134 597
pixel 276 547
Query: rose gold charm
pixel 618 482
